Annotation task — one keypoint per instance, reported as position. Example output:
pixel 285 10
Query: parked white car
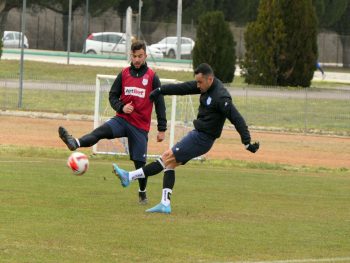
pixel 12 39
pixel 168 46
pixel 113 43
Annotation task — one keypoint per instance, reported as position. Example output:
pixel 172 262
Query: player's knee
pixel 172 165
pixel 169 160
pixel 166 155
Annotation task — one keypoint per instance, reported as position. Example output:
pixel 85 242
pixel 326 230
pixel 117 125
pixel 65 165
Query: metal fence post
pixel 305 111
pixel 21 70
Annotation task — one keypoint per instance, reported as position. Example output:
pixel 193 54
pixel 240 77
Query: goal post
pixel 179 119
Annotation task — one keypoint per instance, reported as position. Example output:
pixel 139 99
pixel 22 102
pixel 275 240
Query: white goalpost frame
pixel 97 107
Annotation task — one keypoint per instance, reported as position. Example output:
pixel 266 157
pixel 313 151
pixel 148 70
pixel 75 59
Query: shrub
pixel 215 45
pixel 281 45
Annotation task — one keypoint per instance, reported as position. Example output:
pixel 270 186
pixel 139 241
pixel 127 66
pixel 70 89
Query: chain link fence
pixel 301 110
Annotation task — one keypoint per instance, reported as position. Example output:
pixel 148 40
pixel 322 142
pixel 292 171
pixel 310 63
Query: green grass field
pixel 222 212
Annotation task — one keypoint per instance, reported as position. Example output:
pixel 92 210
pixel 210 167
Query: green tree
pixel 301 46
pixel 96 8
pixel 5 8
pixel 265 40
pixel 329 11
pixel 215 45
pixel 281 45
pixel 122 5
pixel 240 11
pixel 342 27
pixel 62 7
pixel 335 16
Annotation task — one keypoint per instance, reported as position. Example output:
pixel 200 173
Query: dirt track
pixel 281 148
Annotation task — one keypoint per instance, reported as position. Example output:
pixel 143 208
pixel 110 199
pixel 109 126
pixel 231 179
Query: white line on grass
pixel 344 259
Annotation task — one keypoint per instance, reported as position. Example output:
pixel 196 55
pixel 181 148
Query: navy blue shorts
pixel 137 138
pixel 194 144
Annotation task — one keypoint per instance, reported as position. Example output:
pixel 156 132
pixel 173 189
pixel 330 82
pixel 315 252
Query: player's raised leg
pixel 122 175
pixel 127 177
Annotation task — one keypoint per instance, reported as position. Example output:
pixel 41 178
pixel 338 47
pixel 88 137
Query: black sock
pixel 102 132
pixel 153 168
pixel 142 181
pixel 169 179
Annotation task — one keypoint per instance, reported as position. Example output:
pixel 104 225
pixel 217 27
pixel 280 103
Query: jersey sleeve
pixel 159 107
pixel 156 82
pixel 229 110
pixel 185 88
pixel 115 93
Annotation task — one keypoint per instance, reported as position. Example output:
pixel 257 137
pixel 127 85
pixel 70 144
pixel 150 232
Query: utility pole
pixel 128 32
pixel 178 29
pixel 23 27
pixel 86 23
pixel 139 20
pixel 69 30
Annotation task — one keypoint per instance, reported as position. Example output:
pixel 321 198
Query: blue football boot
pixel 122 175
pixel 160 208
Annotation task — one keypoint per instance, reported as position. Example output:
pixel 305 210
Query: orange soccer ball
pixel 78 162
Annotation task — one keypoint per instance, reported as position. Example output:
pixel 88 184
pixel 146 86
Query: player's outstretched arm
pixel 153 96
pixel 238 121
pixel 185 88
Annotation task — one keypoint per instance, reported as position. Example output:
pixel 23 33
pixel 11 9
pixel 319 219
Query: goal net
pixel 180 114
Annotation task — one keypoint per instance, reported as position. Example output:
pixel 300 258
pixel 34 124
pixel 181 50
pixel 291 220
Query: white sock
pixel 77 140
pixel 136 174
pixel 166 194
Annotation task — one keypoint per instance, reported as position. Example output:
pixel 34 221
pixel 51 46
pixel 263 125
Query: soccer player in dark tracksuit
pixel 129 97
pixel 215 107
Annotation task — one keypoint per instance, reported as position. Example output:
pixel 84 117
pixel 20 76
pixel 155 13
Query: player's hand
pixel 128 108
pixel 160 136
pixel 253 147
pixel 153 96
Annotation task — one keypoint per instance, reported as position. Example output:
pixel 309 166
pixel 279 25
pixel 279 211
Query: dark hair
pixel 137 45
pixel 205 69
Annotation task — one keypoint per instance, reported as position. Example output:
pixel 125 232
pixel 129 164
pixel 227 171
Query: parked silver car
pixel 168 46
pixel 113 43
pixel 13 39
